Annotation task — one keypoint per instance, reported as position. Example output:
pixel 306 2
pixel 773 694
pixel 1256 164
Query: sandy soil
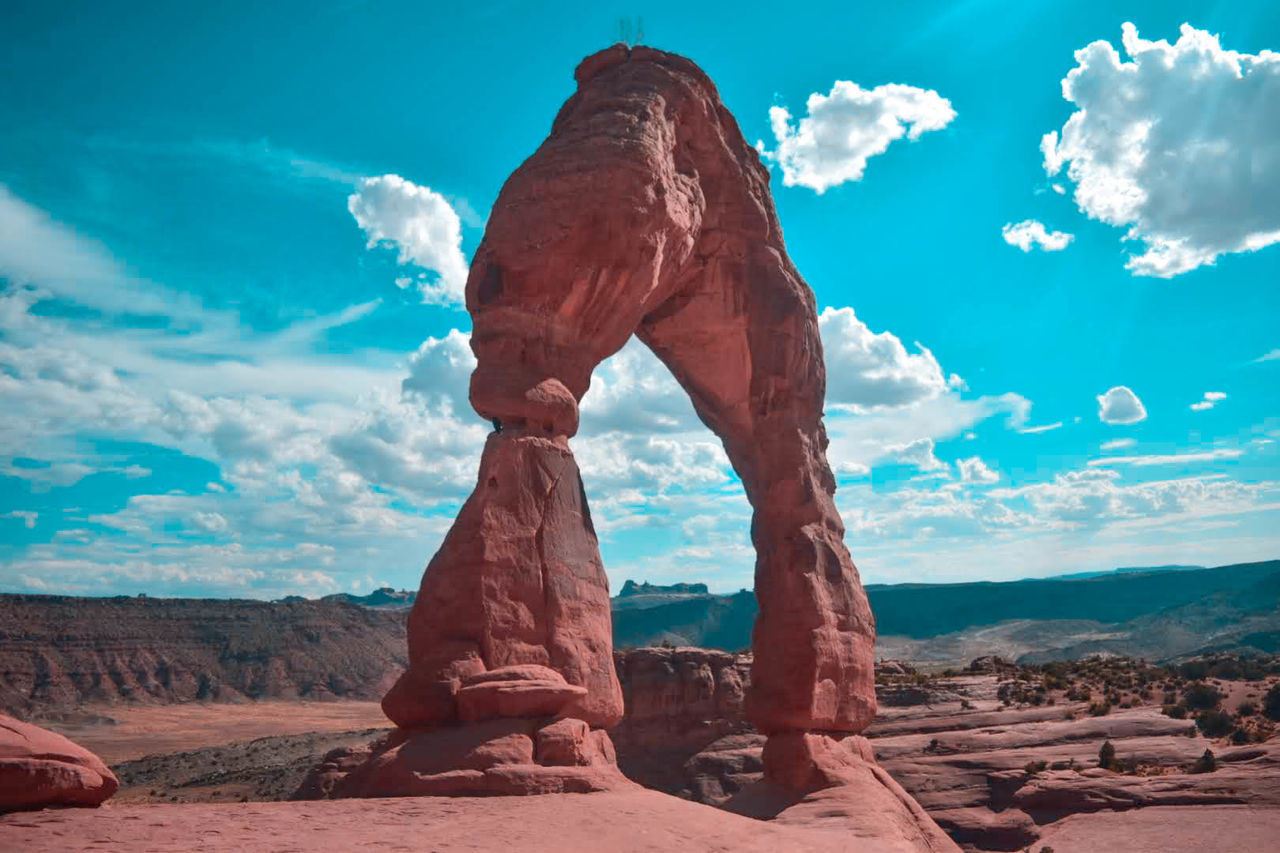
pixel 638 820
pixel 139 731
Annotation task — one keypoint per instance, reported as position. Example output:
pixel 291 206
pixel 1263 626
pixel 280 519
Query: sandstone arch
pixel 644 212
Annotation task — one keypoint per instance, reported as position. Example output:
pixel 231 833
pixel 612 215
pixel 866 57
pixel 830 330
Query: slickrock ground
pixel 634 820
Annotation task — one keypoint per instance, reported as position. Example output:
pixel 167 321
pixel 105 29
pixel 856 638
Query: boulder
pixel 40 769
pixel 502 756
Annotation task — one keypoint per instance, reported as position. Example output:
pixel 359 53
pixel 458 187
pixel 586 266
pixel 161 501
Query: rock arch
pixel 644 212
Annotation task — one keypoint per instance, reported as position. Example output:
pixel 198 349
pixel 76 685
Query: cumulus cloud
pixel 422 225
pixel 920 454
pixel 440 372
pixel 1177 144
pixel 1120 406
pixel 868 370
pixel 1210 399
pixel 848 126
pixel 974 470
pixel 1029 234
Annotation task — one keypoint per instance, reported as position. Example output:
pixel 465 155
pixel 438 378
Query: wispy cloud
pixel 1167 458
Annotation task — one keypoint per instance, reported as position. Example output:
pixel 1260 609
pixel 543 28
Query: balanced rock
pixel 39 769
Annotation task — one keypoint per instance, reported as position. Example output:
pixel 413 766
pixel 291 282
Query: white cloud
pixel 440 372
pixel 1167 458
pixel 1029 234
pixel 1120 406
pixel 1211 399
pixel 868 370
pixel 633 392
pixel 1118 443
pixel 1032 430
pixel 1177 144
pixel 27 517
pixel 974 470
pixel 861 441
pixel 848 126
pixel 1274 355
pixel 422 225
pixel 918 453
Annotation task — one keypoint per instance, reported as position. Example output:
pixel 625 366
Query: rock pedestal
pixel 511 685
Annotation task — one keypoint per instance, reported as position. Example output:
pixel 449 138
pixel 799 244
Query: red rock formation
pixel 512 619
pixel 646 212
pixel 39 768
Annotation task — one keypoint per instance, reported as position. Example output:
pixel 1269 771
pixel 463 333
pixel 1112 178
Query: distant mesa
pixel 631 588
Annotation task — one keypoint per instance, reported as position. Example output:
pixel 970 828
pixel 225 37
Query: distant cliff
pixel 631 588
pixel 58 652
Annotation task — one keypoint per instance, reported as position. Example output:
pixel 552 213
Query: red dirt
pixel 150 730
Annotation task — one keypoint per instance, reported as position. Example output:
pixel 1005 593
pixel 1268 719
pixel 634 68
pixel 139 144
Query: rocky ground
pixel 1003 757
pixel 635 820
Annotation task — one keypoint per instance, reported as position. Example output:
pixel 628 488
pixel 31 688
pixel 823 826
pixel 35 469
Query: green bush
pixel 1206 763
pixel 1271 703
pixel 1107 755
pixel 1215 723
pixel 1099 709
pixel 1177 712
pixel 1201 697
pixel 1247 709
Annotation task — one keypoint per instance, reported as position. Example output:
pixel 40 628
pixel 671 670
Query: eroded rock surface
pixel 512 619
pixel 645 212
pixel 39 769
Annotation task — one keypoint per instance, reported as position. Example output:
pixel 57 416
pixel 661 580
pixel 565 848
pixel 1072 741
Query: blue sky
pixel 231 239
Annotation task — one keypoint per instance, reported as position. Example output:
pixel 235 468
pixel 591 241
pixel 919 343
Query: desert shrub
pixel 1107 755
pixel 1034 767
pixel 1240 736
pixel 1194 669
pixel 1177 712
pixel 966 705
pixel 1099 709
pixel 1201 697
pixel 1206 763
pixel 1215 723
pixel 1247 709
pixel 1271 703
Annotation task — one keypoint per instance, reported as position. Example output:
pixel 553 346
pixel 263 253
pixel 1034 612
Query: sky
pixel 233 240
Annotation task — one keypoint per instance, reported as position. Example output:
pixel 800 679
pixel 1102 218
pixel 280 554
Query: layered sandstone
pixel 646 212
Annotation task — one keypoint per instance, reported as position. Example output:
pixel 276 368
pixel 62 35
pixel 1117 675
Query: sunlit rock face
pixel 644 213
pixel 41 769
